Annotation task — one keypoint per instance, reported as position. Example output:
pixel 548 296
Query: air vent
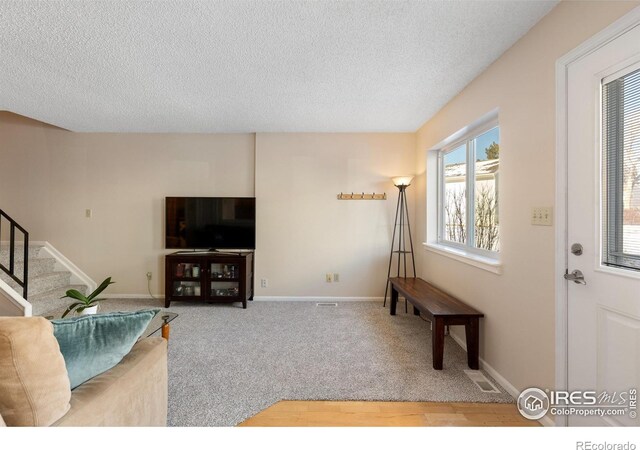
pixel 327 304
pixel 481 381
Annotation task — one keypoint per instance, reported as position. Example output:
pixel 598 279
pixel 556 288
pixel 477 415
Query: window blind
pixel 621 172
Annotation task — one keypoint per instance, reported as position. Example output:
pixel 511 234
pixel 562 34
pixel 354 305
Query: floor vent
pixel 326 304
pixel 481 381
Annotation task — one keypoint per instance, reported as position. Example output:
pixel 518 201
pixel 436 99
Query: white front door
pixel 603 122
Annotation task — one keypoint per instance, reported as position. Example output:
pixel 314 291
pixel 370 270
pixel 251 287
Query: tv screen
pixel 210 223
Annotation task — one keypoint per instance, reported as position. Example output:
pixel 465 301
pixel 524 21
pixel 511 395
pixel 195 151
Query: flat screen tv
pixel 210 223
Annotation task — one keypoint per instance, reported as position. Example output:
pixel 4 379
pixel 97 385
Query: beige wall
pixel 304 232
pixel 49 177
pixel 518 337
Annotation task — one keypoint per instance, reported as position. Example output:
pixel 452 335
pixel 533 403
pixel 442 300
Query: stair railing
pixel 12 253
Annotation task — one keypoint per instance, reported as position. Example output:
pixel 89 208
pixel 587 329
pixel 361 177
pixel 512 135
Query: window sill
pixel 481 262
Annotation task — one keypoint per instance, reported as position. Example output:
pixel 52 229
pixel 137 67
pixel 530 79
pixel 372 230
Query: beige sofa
pixel 34 392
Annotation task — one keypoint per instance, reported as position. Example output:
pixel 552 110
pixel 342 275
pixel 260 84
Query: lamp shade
pixel 403 180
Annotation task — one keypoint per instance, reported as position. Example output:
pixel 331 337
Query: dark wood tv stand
pixel 209 276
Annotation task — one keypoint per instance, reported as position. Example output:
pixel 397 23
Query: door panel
pixel 604 314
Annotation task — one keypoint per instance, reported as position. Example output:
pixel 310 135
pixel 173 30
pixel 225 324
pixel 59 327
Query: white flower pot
pixel 87 311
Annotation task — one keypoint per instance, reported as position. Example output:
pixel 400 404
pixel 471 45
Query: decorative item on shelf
pixel 187 271
pixel 188 291
pixel 85 304
pixel 196 290
pixel 362 196
pixel 179 270
pixel 401 220
pixel 195 272
pixel 179 290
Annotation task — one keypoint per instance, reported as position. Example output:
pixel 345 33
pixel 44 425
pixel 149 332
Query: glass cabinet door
pixel 187 281
pixel 221 271
pixel 224 279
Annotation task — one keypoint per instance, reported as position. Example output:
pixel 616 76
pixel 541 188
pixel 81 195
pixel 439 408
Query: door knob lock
pixel 576 276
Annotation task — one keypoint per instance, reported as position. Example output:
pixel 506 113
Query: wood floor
pixel 394 414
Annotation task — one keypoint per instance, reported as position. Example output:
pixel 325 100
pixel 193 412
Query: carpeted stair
pixel 46 283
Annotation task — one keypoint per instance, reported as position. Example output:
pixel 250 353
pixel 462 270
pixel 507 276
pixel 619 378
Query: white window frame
pixel 464 250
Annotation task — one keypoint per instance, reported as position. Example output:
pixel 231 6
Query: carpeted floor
pixel 227 364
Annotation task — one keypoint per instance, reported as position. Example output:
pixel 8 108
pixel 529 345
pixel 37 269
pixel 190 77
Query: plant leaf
pixel 100 288
pixel 73 293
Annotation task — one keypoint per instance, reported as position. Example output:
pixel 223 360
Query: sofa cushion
pixel 94 344
pixel 131 394
pixel 34 386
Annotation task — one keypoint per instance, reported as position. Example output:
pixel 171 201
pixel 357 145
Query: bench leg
pixel 416 311
pixel 394 300
pixel 472 331
pixel 437 338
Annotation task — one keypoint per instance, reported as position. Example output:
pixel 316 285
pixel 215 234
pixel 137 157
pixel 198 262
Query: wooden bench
pixel 442 309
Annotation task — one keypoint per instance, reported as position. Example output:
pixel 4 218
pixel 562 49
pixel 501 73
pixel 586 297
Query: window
pixel 621 171
pixel 468 192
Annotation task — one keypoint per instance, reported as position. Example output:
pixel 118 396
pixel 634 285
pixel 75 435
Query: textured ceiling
pixel 248 66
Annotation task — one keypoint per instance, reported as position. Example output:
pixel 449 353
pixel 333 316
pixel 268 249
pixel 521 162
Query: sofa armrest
pixel 133 393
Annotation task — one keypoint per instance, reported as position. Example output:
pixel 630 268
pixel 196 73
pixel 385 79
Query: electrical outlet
pixel 264 283
pixel 542 215
pixel 149 276
pixel 336 277
pixel 328 278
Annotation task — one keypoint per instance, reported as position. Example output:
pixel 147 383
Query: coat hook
pixel 361 196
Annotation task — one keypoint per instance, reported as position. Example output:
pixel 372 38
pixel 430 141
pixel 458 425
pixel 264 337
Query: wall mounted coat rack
pixel 362 196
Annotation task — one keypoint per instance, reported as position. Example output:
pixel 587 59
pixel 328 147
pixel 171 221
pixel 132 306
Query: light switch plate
pixel 542 215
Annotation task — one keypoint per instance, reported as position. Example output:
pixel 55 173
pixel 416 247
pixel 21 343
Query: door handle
pixel 576 276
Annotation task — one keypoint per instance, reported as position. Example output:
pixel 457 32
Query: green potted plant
pixel 86 304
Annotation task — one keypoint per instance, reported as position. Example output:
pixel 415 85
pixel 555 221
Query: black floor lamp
pixel 401 220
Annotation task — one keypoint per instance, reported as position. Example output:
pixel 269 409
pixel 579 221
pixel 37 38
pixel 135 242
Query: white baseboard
pixel 546 421
pixel 266 299
pixel 502 381
pixel 62 262
pixel 263 298
pixel 127 296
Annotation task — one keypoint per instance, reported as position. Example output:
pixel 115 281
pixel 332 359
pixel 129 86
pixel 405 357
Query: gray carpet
pixel 227 364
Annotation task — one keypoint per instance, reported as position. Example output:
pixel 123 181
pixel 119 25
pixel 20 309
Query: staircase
pixel 47 280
